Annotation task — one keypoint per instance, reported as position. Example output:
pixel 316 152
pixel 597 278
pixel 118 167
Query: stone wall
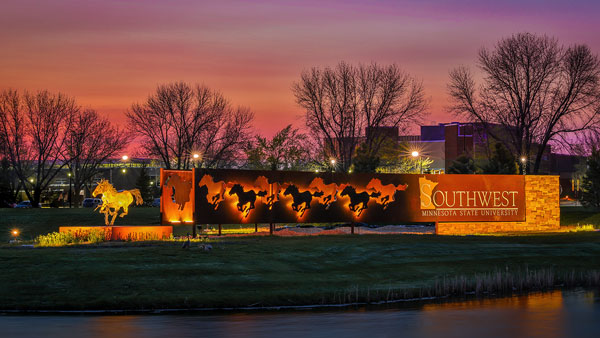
pixel 541 209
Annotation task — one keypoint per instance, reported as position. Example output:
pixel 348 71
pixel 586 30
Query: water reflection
pixel 554 314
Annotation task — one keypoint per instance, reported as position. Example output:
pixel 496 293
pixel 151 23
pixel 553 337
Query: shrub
pixel 68 238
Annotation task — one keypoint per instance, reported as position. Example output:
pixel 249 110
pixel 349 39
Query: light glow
pixel 125 157
pixel 415 153
pixel 15 232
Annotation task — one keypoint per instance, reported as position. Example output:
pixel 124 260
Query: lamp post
pixel 195 158
pixel 332 161
pixel 416 154
pixel 524 164
pixel 70 193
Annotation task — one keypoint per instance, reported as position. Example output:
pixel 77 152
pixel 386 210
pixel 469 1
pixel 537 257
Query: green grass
pixel 265 271
pixel 34 222
pixel 579 216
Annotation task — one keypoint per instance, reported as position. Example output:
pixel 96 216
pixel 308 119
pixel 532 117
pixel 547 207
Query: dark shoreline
pixel 407 304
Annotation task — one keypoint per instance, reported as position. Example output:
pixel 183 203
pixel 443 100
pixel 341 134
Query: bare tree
pixel 33 127
pixel 341 103
pixel 91 140
pixel 180 120
pixel 538 92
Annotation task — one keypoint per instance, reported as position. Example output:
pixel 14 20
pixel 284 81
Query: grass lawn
pixel 579 216
pixel 262 271
pixel 35 222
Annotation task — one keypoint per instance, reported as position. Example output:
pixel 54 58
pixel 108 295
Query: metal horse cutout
pixel 113 201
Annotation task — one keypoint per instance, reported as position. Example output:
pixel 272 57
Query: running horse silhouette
pixel 113 201
pixel 272 189
pixel 358 201
pixel 329 191
pixel 301 200
pixel 387 192
pixel 214 191
pixel 246 199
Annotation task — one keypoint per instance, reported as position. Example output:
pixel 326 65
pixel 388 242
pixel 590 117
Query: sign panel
pixel 177 196
pixel 247 196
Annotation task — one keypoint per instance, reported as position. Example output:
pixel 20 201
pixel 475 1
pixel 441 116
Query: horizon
pixel 112 54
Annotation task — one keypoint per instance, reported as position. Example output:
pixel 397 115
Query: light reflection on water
pixel 554 314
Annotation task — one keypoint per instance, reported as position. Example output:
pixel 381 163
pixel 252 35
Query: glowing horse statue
pixel 112 200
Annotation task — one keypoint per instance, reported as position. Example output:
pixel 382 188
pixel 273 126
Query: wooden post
pixel 194 234
pixel 352 228
pixel 271 229
pixel 219 229
pixel 255 227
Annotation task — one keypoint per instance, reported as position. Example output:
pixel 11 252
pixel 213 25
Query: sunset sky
pixel 110 54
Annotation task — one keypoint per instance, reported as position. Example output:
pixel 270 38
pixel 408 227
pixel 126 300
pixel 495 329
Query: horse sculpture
pixel 358 201
pixel 246 199
pixel 113 201
pixel 387 192
pixel 301 200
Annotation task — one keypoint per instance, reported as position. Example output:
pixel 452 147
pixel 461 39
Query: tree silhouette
pixel 287 150
pixel 143 184
pixel 91 140
pixel 179 120
pixel 33 127
pixel 462 165
pixel 536 90
pixel 590 185
pixel 341 103
pixel 502 161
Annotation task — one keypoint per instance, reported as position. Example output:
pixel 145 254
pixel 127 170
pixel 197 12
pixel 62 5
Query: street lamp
pixel 416 154
pixel 70 193
pixel 124 158
pixel 524 166
pixel 332 161
pixel 195 158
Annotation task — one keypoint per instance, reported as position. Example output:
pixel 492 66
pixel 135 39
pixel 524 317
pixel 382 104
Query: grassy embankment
pixel 264 271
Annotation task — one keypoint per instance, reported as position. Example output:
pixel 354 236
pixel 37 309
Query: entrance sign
pixel 249 196
pixel 472 197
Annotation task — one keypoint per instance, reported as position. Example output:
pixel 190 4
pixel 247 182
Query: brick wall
pixel 542 212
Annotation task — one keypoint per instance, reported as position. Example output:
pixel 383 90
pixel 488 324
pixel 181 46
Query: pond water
pixel 552 314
